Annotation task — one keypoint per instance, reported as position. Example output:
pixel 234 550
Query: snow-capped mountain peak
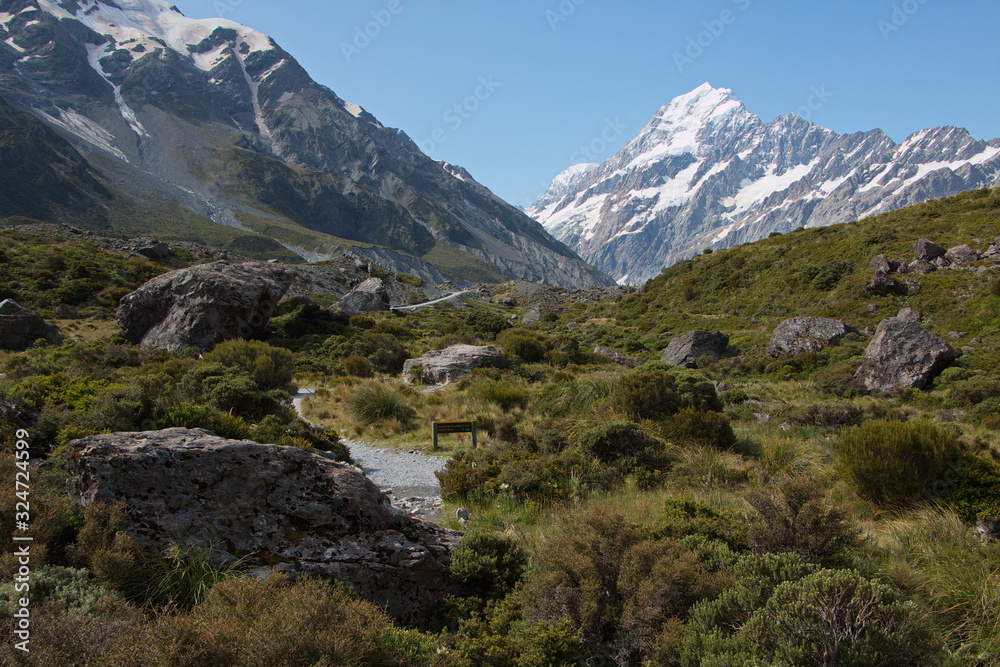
pixel 145 24
pixel 706 172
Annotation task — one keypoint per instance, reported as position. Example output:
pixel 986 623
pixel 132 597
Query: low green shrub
pixel 488 566
pixel 656 390
pixel 528 346
pixel 894 462
pixel 504 394
pixel 270 367
pixel 783 612
pixel 613 441
pixel 698 427
pixel 972 487
pixel 57 588
pixel 486 322
pixel 796 518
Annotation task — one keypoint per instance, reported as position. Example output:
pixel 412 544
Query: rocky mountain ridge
pixel 707 173
pixel 214 122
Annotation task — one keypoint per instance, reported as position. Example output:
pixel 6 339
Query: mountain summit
pixel 203 128
pixel 707 173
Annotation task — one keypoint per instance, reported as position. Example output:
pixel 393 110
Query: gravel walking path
pixel 406 477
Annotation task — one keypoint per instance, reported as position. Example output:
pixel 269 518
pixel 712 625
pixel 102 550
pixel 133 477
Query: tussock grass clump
pixel 375 402
pixel 892 463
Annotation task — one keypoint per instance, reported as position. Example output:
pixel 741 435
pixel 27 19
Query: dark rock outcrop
pixel 927 251
pixel 615 357
pixel 203 305
pixel 20 328
pixel 902 355
pixel 155 250
pixel 884 264
pixel 686 349
pixel 281 505
pixel 454 363
pixel 66 312
pixel 806 334
pixel 882 284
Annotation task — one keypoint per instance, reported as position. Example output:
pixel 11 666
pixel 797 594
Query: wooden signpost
pixel 444 428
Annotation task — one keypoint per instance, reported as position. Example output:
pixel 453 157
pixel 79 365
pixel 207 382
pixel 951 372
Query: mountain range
pixel 125 116
pixel 707 173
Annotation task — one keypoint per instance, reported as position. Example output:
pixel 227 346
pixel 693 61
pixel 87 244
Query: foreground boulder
pixel 903 355
pixel 807 334
pixel 453 364
pixel 280 505
pixel 685 350
pixel 203 305
pixel 20 328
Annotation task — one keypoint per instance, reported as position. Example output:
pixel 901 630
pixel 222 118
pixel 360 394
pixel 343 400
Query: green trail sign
pixel 444 428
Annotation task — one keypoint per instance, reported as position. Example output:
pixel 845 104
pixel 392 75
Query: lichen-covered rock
pixel 615 356
pixel 903 355
pixel 686 349
pixel 371 296
pixel 20 328
pixel 927 250
pixel 883 263
pixel 203 305
pixel 882 284
pixel 806 334
pixel 280 505
pixel 962 255
pixel 910 315
pixel 454 363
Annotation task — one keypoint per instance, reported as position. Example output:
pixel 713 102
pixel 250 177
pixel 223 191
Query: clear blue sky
pixel 565 72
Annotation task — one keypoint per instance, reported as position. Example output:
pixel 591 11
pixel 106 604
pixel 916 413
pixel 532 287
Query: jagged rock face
pixel 441 367
pixel 20 328
pixel 903 355
pixel 686 349
pixel 219 119
pixel 278 504
pixel 807 334
pixel 203 305
pixel 705 172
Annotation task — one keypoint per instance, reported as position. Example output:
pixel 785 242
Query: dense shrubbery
pixel 655 391
pixel 782 611
pixel 894 462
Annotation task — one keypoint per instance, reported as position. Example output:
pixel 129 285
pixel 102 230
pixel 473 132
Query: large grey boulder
pixel 268 504
pixel 686 349
pixel 962 255
pixel 903 355
pixel 882 284
pixel 203 305
pixel 20 328
pixel 454 363
pixel 807 334
pixel 927 251
pixel 371 296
